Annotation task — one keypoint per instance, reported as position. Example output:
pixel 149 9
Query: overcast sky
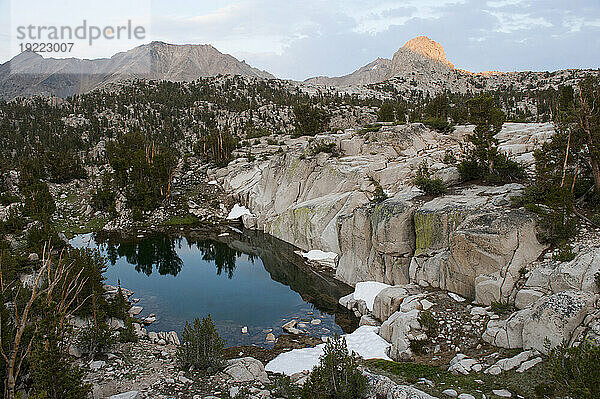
pixel 300 39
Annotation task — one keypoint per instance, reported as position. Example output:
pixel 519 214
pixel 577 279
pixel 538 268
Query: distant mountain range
pixel 421 63
pixel 30 74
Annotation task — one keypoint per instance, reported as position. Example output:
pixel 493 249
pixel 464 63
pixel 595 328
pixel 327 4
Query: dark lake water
pixel 242 280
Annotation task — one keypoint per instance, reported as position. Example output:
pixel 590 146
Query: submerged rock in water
pixel 290 327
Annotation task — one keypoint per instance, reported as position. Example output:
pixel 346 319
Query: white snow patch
pixel 456 297
pixel 316 254
pixel 213 182
pixel 295 361
pixel 236 230
pixel 368 290
pixel 365 341
pixel 238 211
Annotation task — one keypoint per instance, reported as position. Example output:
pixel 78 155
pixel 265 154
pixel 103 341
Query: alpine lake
pixel 241 279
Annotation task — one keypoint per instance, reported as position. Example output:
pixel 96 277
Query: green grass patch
pixel 72 198
pixel 186 220
pixel 370 128
pixel 72 229
pixel 475 384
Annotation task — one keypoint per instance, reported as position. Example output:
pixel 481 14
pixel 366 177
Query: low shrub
pixel 128 333
pixel 282 387
pixel 544 390
pixel 322 146
pixel 575 370
pixel 429 323
pixel 137 215
pixel 469 170
pixel 449 158
pixel 523 271
pixel 201 346
pixel 565 254
pixel 379 194
pixel 500 307
pixel 431 186
pixel 375 127
pixel 438 124
pixel 505 170
pixel 95 339
pixel 337 376
pixel 418 347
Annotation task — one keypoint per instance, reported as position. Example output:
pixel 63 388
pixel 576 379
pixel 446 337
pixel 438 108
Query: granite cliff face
pixel 30 74
pixel 428 48
pixel 323 202
pixel 470 242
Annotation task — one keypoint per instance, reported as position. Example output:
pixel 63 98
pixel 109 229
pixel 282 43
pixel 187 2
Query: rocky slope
pixel 376 71
pixel 30 74
pixel 420 66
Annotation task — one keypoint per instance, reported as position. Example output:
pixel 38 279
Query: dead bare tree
pixel 55 286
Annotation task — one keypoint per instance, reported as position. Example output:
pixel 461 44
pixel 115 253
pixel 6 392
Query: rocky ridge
pixel 420 65
pixel 30 74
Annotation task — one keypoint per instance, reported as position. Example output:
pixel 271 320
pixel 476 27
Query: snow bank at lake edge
pixel 367 291
pixel 365 341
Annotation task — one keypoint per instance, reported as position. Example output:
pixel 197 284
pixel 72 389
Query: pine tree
pixel 588 114
pixel 201 346
pixel 386 113
pixel 484 160
pixel 488 120
pixel 337 376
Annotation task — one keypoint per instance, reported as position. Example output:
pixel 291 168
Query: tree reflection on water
pixel 159 253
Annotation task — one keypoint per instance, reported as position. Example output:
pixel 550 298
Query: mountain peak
pixel 428 48
pixel 26 56
pixel 29 73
